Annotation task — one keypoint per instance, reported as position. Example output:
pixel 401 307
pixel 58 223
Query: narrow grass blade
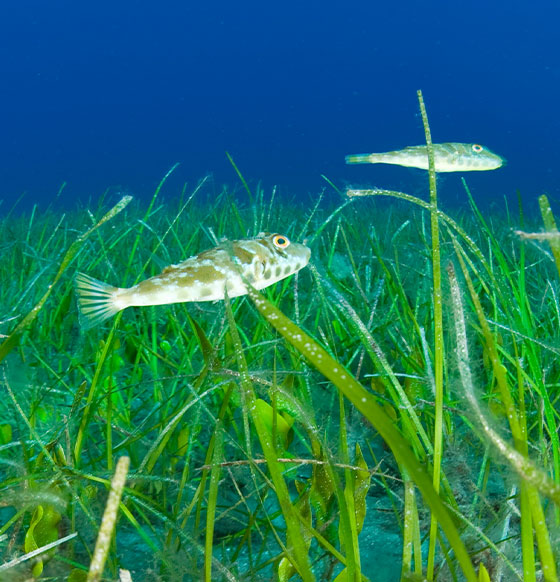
pixel 296 544
pixel 438 332
pixel 551 229
pixel 12 563
pixel 108 522
pixel 212 502
pixel 243 181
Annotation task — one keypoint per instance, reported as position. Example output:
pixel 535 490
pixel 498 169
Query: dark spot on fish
pixel 205 292
pixel 267 274
pixel 287 270
pixel 278 271
pixel 245 257
pixel 207 274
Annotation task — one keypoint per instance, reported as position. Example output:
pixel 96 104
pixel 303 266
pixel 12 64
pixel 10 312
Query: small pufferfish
pixel 448 157
pixel 260 261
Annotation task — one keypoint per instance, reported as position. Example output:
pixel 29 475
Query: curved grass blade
pixel 531 475
pixel 296 543
pixel 365 403
pixel 11 341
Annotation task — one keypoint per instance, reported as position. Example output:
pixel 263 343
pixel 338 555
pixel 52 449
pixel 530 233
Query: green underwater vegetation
pixel 389 412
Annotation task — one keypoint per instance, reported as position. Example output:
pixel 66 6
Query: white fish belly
pixel 164 292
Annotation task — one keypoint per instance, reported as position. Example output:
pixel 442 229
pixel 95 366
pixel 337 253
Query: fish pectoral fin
pixel 259 269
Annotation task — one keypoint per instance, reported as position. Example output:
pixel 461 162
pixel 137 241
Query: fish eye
pixel 280 241
pixel 477 148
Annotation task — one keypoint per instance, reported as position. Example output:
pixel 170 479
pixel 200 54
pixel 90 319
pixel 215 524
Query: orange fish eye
pixel 280 241
pixel 477 148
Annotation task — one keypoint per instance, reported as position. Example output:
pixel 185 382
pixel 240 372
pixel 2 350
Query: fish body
pixel 260 261
pixel 448 157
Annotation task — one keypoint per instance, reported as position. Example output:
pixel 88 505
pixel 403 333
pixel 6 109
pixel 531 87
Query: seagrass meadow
pixel 390 412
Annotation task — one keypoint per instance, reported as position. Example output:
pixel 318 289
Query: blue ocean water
pixel 112 94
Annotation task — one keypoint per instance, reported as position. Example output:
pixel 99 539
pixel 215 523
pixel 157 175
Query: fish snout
pixel 302 252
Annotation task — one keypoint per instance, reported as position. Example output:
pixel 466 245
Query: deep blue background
pixel 111 94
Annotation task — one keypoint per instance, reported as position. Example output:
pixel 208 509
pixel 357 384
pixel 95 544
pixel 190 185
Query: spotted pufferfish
pixel 448 157
pixel 260 261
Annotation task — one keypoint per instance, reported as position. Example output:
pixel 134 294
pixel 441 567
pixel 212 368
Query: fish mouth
pixel 303 251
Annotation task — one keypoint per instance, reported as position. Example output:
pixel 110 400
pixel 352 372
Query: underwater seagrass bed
pixel 255 451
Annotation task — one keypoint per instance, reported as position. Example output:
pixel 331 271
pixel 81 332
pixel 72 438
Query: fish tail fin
pixel 361 159
pixel 96 300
